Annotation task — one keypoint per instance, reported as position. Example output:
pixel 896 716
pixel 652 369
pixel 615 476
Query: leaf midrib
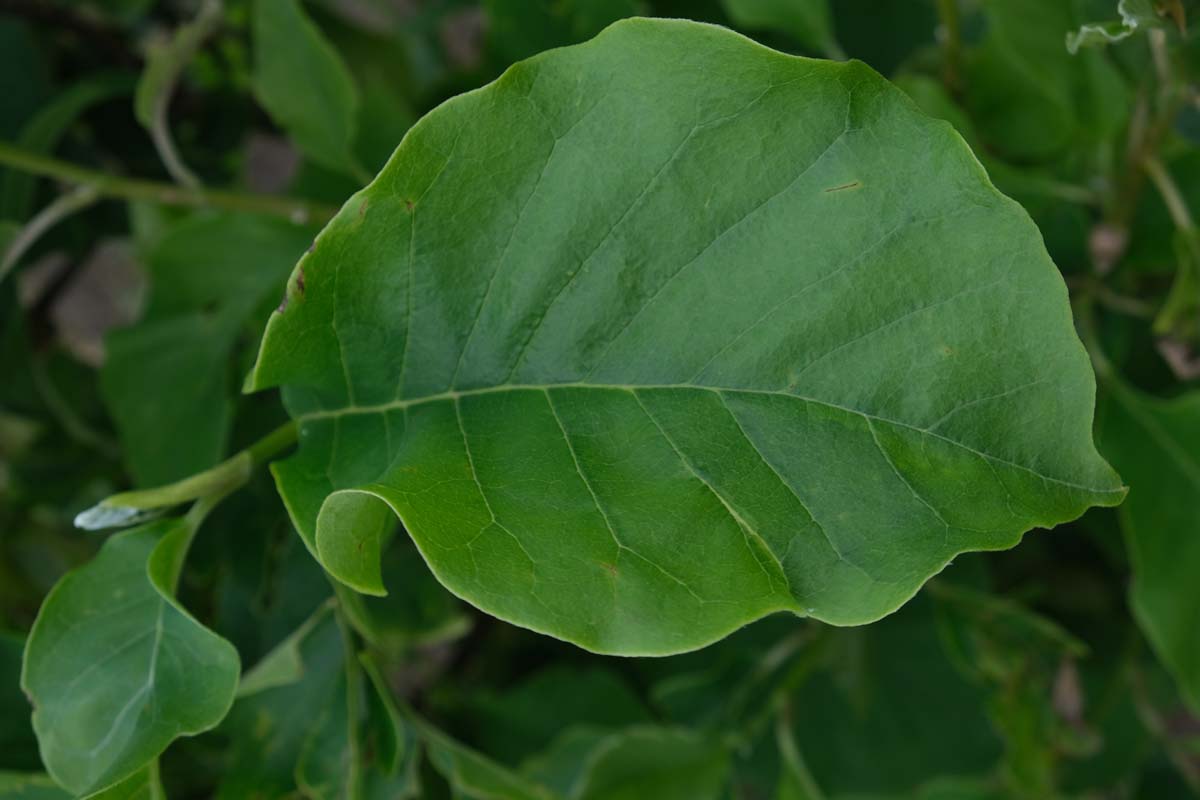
pixel 455 394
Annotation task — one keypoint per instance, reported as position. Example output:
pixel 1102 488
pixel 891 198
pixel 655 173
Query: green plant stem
pixel 206 489
pixel 298 211
pixel 1176 205
pixel 952 45
pixel 273 443
pixel 62 207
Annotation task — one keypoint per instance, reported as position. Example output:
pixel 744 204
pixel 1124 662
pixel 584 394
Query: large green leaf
pixel 116 668
pixel 1155 443
pixel 661 333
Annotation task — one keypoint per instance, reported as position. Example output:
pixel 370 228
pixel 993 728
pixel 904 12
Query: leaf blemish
pixel 844 187
pixel 610 568
pixel 408 205
pixel 300 281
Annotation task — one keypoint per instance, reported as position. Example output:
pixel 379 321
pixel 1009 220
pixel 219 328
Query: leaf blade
pixel 539 376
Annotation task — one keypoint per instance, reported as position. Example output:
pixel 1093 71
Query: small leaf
pixel 303 84
pixel 771 359
pixel 1155 444
pixel 117 669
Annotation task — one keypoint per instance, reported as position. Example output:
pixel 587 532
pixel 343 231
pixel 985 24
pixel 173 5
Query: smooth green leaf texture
pixel 167 379
pixel 303 84
pixel 1155 444
pixel 117 669
pixel 664 332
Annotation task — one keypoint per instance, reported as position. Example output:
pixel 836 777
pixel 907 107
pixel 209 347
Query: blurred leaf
pixel 116 668
pixel 167 381
pixel 1154 443
pixel 303 84
pixel 142 785
pixel 392 741
pixel 1028 96
pixel 164 64
pixel 471 775
pixel 1022 658
pixel 516 722
pixel 781 440
pixel 30 786
pixel 272 725
pixel 890 690
pixel 809 22
pixel 663 763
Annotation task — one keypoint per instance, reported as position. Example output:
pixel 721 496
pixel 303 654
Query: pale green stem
pixel 206 488
pixel 298 211
pixel 62 207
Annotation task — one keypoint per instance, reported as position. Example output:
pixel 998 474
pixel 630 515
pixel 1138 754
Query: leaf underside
pixel 664 332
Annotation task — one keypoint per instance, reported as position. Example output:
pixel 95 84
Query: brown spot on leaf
pixel 408 204
pixel 844 187
pixel 300 281
pixel 610 568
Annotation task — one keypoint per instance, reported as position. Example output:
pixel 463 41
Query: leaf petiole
pixel 206 488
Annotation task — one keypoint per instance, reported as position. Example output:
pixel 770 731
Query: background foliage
pixel 130 311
